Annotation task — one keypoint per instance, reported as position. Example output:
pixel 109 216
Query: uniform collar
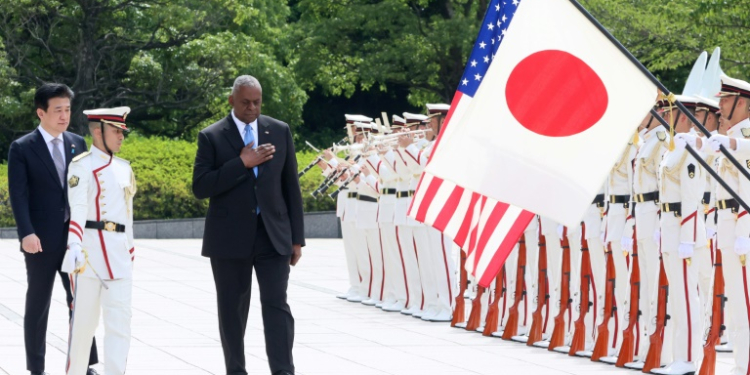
pixel 99 154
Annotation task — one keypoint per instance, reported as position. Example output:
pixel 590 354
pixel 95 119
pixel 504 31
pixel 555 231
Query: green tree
pixel 172 62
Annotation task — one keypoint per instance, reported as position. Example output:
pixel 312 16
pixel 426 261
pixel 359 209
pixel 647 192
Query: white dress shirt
pixel 241 128
pixel 48 140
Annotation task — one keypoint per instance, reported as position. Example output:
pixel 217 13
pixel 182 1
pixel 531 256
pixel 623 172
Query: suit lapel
pixel 264 136
pixel 41 150
pixel 233 134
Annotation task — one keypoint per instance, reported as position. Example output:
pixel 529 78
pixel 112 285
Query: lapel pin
pixel 72 149
pixel 267 132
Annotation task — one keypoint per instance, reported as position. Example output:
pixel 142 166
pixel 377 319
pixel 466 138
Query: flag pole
pixel 658 84
pixel 705 165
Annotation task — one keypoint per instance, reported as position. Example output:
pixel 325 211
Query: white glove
pixel 560 230
pixel 78 254
pixel 710 232
pixel 679 142
pixel 741 245
pixel 717 141
pixel 686 250
pixel 657 236
pixel 73 259
pixel 627 244
pixel 685 139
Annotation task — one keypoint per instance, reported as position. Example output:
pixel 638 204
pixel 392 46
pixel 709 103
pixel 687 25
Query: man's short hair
pixel 49 91
pixel 246 81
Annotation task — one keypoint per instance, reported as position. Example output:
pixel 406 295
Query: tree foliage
pixel 172 62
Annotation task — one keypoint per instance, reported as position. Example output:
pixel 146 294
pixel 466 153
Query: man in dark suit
pixel 37 166
pixel 247 166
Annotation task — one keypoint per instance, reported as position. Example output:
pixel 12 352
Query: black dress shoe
pixel 39 373
pixel 91 371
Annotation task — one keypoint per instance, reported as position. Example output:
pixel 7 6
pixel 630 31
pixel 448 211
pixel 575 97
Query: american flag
pixel 487 230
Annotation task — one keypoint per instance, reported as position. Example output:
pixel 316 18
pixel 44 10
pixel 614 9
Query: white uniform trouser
pixel 574 240
pixel 684 305
pixel 395 280
pixel 734 280
pixel 89 299
pixel 426 260
pixel 405 241
pixel 348 232
pixel 441 247
pixel 646 223
pixel 364 265
pixel 375 250
pixel 554 264
pixel 593 222
pixel 616 223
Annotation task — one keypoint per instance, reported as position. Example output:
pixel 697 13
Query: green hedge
pixel 164 170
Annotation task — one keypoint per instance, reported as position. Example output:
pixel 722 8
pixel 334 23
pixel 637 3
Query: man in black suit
pixel 246 165
pixel 37 166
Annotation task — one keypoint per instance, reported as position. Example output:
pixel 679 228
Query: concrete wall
pixel 317 225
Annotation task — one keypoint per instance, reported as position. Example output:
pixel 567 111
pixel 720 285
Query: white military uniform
pixel 683 244
pixel 101 189
pixel 415 162
pixel 395 280
pixel 647 162
pixel 346 234
pixel 733 224
pixel 618 233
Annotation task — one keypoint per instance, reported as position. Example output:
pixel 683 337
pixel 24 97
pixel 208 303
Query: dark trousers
pixel 41 269
pixel 233 279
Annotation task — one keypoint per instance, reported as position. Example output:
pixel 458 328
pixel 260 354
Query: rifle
pixel 493 314
pixel 653 358
pixel 309 167
pixel 459 310
pixel 629 337
pixel 610 308
pixel 579 335
pixel 538 325
pixel 511 326
pixel 558 334
pixel 344 185
pixel 476 311
pixel 708 367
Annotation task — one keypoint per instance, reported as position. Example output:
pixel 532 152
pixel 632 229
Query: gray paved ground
pixel 175 326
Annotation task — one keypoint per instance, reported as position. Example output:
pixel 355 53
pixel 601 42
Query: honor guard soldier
pixel 441 245
pixel 367 222
pixel 100 244
pixel 733 226
pixel 683 242
pixel 354 240
pixel 655 140
pixel 405 225
pixel 618 236
pixel 415 161
pixel 382 165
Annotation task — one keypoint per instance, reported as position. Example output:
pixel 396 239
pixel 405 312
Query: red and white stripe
pixel 487 230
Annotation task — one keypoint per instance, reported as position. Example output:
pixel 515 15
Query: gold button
pixel 104 212
pixel 103 190
pixel 101 182
pixel 104 204
pixel 101 197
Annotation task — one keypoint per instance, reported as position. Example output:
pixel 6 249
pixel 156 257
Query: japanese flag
pixel 557 106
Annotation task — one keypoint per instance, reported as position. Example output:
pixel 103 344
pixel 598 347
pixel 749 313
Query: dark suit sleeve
pixel 209 182
pixel 18 187
pixel 292 192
